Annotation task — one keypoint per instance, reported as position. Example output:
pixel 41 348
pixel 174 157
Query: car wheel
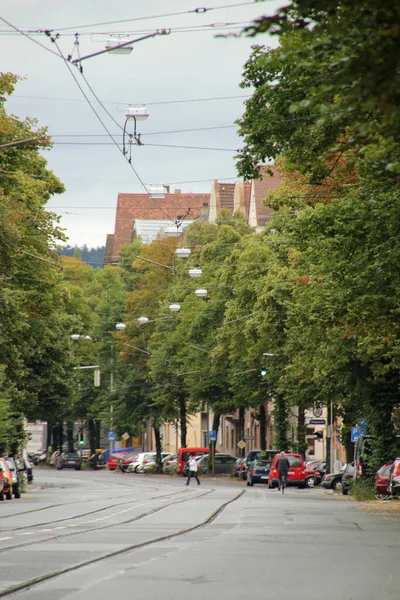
pixel 9 494
pixel 248 483
pixel 77 468
pixel 345 491
pixel 382 496
pixel 251 482
pixel 336 484
pixel 17 492
pixel 310 482
pixel 2 495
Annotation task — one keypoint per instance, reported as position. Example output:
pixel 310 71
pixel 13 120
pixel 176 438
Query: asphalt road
pixel 99 535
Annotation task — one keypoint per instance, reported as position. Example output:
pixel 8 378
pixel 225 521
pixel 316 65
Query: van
pixel 184 453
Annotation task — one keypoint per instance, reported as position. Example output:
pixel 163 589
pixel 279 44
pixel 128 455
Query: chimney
pixel 204 209
pixel 167 188
pixel 177 191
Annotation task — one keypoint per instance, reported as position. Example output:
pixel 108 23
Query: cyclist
pixel 283 467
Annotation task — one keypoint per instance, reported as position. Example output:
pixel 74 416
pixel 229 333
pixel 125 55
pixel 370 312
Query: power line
pixel 148 145
pixel 81 135
pixel 211 99
pixel 28 36
pixel 106 129
pixel 200 10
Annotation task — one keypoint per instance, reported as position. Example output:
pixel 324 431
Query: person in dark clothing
pixel 283 467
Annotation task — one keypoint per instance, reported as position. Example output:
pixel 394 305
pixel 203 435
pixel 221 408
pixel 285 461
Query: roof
pixel 262 187
pixel 141 207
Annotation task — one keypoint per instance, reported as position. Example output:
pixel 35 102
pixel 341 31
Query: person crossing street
pixel 193 469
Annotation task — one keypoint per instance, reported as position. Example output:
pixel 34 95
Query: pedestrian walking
pixel 193 469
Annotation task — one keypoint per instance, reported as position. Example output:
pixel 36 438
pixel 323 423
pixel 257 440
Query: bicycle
pixel 282 482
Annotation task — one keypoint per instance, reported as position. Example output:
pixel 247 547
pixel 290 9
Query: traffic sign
pixel 355 434
pixel 111 435
pixel 248 437
pixel 317 422
pixel 363 425
pixel 241 444
pixel 212 436
pixel 125 436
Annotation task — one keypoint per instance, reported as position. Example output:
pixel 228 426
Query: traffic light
pixel 319 435
pixel 263 372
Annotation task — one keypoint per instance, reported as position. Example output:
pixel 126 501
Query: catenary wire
pixel 211 99
pixel 106 129
pixel 28 37
pixel 199 10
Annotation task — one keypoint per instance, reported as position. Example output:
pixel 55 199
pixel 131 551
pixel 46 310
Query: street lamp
pixel 137 113
pixel 157 191
pixel 201 293
pixel 183 252
pixel 120 326
pixel 116 45
pixel 143 320
pixel 174 307
pixel 195 272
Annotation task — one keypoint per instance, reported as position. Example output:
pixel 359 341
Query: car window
pixel 294 461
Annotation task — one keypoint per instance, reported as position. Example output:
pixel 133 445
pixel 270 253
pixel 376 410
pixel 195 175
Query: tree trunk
pixel 97 433
pixel 49 435
pixel 70 436
pixel 215 427
pixel 301 432
pixel 182 419
pixel 281 424
pixel 60 436
pixel 263 423
pixel 328 437
pixel 241 428
pixel 92 436
pixel 157 437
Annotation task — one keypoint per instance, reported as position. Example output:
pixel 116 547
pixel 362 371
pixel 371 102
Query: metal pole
pixel 111 406
pixel 332 461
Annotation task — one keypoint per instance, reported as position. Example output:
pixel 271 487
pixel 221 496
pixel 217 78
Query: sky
pixel 171 74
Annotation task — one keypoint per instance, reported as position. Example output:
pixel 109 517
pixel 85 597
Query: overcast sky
pixel 189 64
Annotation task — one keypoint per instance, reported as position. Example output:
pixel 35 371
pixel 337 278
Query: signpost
pixel 111 436
pixel 317 422
pixel 213 436
pixel 355 434
pixel 247 438
pixel 241 444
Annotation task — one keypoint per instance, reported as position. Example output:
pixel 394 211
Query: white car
pixel 137 465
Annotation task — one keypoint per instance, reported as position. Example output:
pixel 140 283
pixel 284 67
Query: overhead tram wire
pixel 147 103
pixel 28 37
pixel 148 145
pixel 106 129
pixel 199 10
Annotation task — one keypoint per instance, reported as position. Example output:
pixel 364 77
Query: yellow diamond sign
pixel 241 444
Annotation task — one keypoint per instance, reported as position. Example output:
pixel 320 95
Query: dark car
pixel 347 479
pixel 16 477
pixel 319 469
pixel 259 454
pixel 258 471
pixel 69 460
pixel 332 481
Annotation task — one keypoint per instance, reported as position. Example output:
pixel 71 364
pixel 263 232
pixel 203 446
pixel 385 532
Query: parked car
pixel 7 488
pixel 69 460
pixel 1 484
pixel 39 457
pixel 114 458
pixel 170 463
pixel 125 461
pixel 237 466
pixel 15 477
pixel 136 466
pixel 298 474
pixel 333 481
pixel 319 469
pixel 347 479
pixel 223 464
pixel 184 453
pixel 258 472
pixel 260 455
pixel 150 463
pixel 382 482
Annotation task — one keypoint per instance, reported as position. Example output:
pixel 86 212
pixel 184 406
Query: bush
pixel 362 489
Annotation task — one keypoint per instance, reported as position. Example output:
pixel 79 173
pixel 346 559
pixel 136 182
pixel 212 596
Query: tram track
pixel 129 548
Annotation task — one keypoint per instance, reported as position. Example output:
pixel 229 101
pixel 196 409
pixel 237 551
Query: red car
pixel 382 482
pixel 298 474
pixel 112 462
pixel 125 460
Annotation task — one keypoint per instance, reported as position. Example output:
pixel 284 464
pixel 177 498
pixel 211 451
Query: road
pixel 99 535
